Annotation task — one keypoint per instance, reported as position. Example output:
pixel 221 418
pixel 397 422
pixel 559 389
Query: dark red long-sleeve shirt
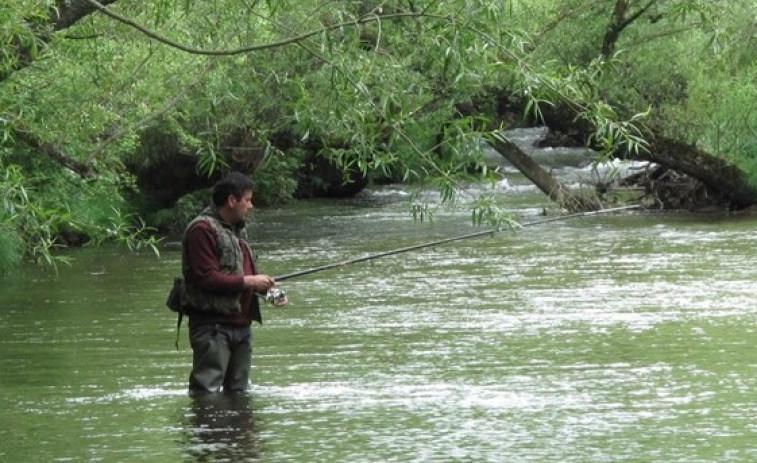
pixel 205 273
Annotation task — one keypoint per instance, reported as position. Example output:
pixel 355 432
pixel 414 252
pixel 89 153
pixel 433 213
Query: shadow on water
pixel 221 427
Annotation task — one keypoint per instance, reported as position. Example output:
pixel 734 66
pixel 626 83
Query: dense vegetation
pixel 112 113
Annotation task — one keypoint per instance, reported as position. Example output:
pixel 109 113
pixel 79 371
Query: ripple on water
pixel 606 339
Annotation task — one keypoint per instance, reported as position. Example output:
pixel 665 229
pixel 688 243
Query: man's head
pixel 232 196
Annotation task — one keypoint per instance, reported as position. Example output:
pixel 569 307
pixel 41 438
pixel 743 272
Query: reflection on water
pixel 220 427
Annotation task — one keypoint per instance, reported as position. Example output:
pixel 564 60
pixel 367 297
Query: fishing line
pixel 321 268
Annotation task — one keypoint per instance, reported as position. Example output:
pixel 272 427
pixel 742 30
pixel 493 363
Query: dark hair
pixel 234 183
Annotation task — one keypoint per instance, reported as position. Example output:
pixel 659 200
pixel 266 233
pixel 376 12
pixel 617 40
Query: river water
pixel 614 338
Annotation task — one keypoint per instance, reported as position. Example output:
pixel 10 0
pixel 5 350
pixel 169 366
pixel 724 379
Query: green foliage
pixel 730 130
pixel 39 217
pixel 747 160
pixel 28 228
pixel 275 181
pixel 23 24
pixel 380 92
pixel 422 211
pixel 173 221
pixel 11 248
pixel 486 210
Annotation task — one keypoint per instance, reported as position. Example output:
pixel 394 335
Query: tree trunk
pixel 85 170
pixel 718 175
pixel 722 178
pixel 619 22
pixel 543 180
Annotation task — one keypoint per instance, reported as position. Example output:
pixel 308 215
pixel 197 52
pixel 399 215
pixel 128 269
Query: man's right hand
pixel 258 283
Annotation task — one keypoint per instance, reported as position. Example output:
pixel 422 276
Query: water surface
pixel 625 337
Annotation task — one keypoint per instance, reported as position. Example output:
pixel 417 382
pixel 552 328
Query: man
pixel 221 283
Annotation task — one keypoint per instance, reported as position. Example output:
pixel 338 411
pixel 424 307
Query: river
pixel 623 337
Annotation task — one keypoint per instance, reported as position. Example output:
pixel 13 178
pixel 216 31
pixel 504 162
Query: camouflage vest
pixel 231 262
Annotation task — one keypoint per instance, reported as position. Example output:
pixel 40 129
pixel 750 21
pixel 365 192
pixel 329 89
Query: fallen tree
pixel 546 182
pixel 725 182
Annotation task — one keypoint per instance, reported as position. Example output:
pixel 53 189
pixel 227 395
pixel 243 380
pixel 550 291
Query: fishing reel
pixel 276 296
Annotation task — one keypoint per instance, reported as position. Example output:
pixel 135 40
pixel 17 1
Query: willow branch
pixel 85 170
pixel 178 98
pixel 241 50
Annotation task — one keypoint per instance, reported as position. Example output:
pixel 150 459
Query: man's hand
pixel 258 283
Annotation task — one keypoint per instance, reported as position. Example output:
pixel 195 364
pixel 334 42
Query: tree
pixel 632 81
pixel 32 25
pixel 396 88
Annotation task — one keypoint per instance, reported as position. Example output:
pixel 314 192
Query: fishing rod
pixel 321 268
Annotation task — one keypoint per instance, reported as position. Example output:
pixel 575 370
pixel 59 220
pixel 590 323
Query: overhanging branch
pixel 56 153
pixel 250 48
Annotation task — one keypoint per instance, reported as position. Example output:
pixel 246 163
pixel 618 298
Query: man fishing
pixel 221 284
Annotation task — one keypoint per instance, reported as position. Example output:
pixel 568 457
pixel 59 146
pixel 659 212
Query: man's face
pixel 241 207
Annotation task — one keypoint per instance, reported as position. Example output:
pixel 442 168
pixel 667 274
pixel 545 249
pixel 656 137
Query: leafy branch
pixel 250 48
